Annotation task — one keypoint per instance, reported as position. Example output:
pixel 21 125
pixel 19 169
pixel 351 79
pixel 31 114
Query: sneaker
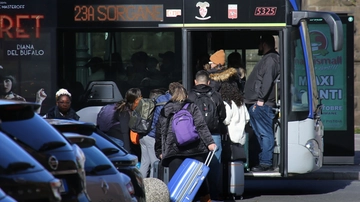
pixel 260 168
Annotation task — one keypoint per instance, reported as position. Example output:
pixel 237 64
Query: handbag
pixel 233 151
pixel 237 152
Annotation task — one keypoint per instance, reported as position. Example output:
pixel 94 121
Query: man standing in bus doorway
pixel 260 98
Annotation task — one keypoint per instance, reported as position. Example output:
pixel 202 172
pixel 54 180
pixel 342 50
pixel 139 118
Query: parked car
pixel 5 198
pixel 123 161
pixel 103 181
pixel 49 147
pixel 22 177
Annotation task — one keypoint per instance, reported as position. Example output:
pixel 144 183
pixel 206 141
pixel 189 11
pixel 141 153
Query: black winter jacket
pixel 165 142
pixel 54 113
pixel 220 107
pixel 224 74
pixel 260 83
pixel 122 131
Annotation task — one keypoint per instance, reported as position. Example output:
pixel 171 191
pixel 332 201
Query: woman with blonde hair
pixel 166 147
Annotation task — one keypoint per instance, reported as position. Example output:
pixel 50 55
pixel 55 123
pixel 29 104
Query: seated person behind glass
pixel 6 85
pixel 63 109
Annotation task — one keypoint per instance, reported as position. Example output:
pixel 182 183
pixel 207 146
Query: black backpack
pixel 208 108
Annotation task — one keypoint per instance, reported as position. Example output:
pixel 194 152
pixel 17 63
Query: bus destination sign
pixel 117 13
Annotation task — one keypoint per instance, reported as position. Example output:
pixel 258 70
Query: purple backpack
pixel 183 127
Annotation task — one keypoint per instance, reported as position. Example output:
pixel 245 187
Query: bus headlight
pixel 313 147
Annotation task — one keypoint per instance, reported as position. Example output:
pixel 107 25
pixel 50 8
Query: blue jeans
pixel 215 168
pixel 261 120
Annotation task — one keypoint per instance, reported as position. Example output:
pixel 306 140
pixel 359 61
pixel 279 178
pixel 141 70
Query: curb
pixel 349 172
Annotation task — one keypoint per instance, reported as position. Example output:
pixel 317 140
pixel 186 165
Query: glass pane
pixel 252 58
pixel 299 79
pixel 96 162
pixel 145 60
pixel 12 155
pixel 39 135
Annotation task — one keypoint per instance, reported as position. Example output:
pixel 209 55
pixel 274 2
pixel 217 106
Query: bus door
pixel 302 147
pixel 198 47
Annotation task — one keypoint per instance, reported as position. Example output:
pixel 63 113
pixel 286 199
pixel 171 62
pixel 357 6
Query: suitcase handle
pixel 210 156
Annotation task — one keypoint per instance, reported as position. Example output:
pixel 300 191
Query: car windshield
pixel 104 143
pixel 32 130
pixel 14 159
pixel 97 163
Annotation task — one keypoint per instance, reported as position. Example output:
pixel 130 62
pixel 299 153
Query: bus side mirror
pixel 333 20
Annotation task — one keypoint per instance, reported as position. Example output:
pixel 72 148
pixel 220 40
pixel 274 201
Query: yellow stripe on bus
pixel 225 25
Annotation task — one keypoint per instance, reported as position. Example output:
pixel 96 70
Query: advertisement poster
pixel 27 43
pixel 330 70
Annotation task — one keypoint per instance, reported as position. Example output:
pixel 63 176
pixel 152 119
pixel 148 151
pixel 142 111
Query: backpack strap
pixel 209 94
pixel 186 106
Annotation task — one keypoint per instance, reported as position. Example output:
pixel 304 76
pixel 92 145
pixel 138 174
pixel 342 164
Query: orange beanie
pixel 218 57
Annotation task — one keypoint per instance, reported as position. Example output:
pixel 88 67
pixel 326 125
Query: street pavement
pixel 338 172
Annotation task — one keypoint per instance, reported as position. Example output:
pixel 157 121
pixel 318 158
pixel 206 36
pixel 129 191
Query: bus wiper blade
pixel 51 145
pixel 18 166
pixel 99 168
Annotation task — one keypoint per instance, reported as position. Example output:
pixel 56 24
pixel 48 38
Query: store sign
pixel 12 26
pixel 330 67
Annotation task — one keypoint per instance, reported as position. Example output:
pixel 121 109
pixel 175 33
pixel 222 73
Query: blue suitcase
pixel 188 178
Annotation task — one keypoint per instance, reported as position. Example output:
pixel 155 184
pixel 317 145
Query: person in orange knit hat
pixel 218 58
pixel 219 73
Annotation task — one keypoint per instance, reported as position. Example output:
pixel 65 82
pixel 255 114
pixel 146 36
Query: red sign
pixel 265 11
pixel 232 11
pixel 12 26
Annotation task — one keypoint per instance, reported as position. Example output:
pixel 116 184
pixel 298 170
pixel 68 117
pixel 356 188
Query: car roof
pixel 7 102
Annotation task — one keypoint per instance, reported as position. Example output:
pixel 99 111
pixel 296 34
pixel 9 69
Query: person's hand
pixel 160 156
pixel 260 103
pixel 40 96
pixel 212 147
pixel 242 73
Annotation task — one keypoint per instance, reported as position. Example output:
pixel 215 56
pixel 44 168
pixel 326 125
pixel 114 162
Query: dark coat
pixel 54 113
pixel 122 131
pixel 165 142
pixel 260 83
pixel 219 76
pixel 220 107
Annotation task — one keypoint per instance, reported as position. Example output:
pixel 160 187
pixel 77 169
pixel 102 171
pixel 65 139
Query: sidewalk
pixel 338 172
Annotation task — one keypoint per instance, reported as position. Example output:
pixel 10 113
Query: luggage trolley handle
pixel 210 156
